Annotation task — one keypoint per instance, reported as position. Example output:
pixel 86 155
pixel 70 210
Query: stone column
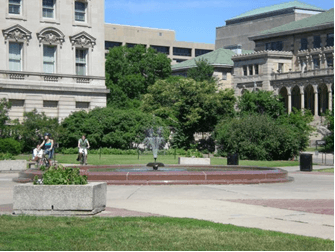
pixel 193 53
pixel 323 40
pixel 316 103
pixel 289 103
pixel 330 100
pixel 302 99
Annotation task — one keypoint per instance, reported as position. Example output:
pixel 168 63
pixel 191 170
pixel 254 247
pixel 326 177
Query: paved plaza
pixel 304 206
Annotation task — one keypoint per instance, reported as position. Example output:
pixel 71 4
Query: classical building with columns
pixel 52 55
pixel 294 60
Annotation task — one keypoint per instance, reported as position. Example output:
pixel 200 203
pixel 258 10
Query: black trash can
pixel 306 162
pixel 232 159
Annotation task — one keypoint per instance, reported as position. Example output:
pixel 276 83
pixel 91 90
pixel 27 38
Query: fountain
pixel 154 139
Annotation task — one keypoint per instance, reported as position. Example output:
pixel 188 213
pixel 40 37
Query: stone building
pixel 221 62
pixel 301 70
pixel 164 41
pixel 51 56
pixel 238 29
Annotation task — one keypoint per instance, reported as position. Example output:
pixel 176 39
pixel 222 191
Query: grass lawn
pixel 326 170
pixel 149 233
pixel 94 159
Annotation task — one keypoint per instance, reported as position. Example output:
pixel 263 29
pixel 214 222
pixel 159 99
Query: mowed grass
pixel 331 170
pixel 94 159
pixel 149 233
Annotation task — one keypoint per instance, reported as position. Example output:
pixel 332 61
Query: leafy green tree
pixel 261 102
pixel 202 72
pixel 188 106
pixel 329 147
pixel 4 108
pixel 33 128
pixel 257 137
pixel 108 127
pixel 129 72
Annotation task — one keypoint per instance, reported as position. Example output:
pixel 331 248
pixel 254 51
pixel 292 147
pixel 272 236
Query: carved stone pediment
pixel 51 36
pixel 83 39
pixel 17 33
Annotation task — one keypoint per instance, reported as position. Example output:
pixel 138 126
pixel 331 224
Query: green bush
pixel 6 156
pixel 62 176
pixel 9 145
pixel 258 137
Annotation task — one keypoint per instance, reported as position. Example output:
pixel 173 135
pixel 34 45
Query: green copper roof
pixel 218 57
pixel 277 7
pixel 315 20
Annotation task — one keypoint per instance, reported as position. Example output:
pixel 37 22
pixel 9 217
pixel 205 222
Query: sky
pixel 192 20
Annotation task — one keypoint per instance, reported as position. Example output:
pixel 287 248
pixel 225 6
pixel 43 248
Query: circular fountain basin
pixel 174 175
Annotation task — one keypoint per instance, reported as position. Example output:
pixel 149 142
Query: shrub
pixel 257 137
pixel 62 176
pixel 9 145
pixel 6 156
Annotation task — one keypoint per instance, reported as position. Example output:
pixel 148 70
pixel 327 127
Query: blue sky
pixel 193 20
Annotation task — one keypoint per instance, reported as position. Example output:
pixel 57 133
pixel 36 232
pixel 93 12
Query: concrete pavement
pixel 292 207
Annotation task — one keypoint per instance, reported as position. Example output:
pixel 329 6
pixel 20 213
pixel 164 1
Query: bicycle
pixel 83 156
pixel 44 161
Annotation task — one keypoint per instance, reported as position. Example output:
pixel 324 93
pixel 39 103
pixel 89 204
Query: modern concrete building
pixel 301 71
pixel 162 40
pixel 51 56
pixel 238 29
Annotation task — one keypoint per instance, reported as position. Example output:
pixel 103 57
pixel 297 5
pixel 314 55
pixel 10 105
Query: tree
pixel 33 128
pixel 188 106
pixel 257 137
pixel 4 108
pixel 108 127
pixel 202 72
pixel 129 72
pixel 329 147
pixel 261 102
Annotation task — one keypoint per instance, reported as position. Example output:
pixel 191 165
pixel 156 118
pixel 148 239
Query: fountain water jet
pixel 154 139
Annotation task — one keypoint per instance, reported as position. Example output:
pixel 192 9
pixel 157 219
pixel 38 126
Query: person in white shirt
pixel 37 153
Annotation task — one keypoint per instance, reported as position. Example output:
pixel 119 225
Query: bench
pixel 31 163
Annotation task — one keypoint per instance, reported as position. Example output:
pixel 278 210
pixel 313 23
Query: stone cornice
pixel 262 54
pixel 83 39
pixel 17 33
pixel 51 35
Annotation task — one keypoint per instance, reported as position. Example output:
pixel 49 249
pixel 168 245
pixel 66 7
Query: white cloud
pixel 147 6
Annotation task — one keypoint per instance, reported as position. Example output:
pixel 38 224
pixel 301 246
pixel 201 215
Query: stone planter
pixel 13 165
pixel 194 161
pixel 60 199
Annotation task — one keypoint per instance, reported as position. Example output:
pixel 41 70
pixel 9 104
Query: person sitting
pixel 48 144
pixel 37 153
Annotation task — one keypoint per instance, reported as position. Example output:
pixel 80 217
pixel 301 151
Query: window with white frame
pixel 280 68
pixel 80 11
pixel 48 8
pixel 15 56
pixel 15 7
pixel 49 59
pixel 245 70
pixel 81 61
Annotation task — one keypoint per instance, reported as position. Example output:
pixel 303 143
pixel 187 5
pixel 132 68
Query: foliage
pixel 62 176
pixel 188 106
pixel 261 102
pixel 108 127
pixel 6 156
pixel 329 147
pixel 258 137
pixel 33 128
pixel 9 145
pixel 300 123
pixel 4 108
pixel 202 72
pixel 129 72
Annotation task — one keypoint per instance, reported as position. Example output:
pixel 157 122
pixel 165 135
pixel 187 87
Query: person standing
pixel 83 145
